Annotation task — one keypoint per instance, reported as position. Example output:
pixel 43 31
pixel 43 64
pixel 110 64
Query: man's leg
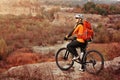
pixel 72 47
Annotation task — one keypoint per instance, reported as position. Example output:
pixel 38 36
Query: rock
pixel 49 71
pixel 42 71
pixel 114 64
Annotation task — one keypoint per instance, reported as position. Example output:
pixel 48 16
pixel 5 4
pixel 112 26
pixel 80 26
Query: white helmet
pixel 79 16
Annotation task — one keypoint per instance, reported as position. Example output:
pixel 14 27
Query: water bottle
pixel 81 55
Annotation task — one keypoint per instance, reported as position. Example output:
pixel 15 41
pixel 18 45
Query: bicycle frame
pixel 85 59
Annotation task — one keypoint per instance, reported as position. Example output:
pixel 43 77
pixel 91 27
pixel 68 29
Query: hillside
pixel 78 2
pixel 33 7
pixel 18 7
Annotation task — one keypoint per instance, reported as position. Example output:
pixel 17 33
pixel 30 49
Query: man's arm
pixel 70 34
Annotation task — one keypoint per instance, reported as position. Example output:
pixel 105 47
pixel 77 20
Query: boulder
pixel 50 71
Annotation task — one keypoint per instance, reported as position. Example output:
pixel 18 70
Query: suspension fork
pixel 66 55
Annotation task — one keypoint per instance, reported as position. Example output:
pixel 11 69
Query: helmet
pixel 79 16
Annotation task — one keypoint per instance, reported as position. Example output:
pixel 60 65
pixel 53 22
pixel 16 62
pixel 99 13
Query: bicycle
pixel 92 61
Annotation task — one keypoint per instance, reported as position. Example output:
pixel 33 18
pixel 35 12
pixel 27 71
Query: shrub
pixel 3 49
pixel 101 35
pixel 116 36
pixel 22 58
pixel 114 50
pixel 102 9
pixel 49 14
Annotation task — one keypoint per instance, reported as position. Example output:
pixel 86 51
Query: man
pixel 79 42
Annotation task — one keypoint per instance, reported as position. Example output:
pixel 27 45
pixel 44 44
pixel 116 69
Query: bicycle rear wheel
pixel 94 62
pixel 64 59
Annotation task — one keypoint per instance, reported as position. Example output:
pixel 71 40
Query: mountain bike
pixel 92 61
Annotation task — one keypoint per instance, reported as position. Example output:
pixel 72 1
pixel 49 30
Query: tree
pixel 101 11
pixel 88 6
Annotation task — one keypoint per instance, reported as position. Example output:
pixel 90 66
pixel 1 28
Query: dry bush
pixel 110 74
pixel 3 49
pixel 22 58
pixel 101 35
pixel 49 14
pixel 116 36
pixel 113 50
pixel 76 9
pixel 26 31
pixel 104 35
pixel 17 31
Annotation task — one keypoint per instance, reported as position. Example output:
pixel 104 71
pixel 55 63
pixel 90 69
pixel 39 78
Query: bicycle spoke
pixel 94 62
pixel 64 59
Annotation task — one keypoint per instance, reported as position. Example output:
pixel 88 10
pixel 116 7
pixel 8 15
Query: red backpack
pixel 87 31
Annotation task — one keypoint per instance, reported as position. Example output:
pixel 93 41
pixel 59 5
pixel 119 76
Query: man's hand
pixel 66 37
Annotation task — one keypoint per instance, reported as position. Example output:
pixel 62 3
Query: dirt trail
pixel 48 49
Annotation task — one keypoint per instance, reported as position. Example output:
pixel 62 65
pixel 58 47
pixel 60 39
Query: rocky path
pixel 49 71
pixel 42 71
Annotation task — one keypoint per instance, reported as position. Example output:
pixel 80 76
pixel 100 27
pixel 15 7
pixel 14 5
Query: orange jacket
pixel 79 32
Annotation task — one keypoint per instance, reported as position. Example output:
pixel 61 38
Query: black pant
pixel 73 45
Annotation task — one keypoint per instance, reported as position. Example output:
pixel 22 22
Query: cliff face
pixel 18 7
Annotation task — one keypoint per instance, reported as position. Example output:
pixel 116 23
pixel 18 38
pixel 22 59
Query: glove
pixel 65 38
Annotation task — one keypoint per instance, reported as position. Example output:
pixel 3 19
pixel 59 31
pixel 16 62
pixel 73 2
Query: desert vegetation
pixel 25 31
pixel 102 9
pixel 94 8
pixel 19 33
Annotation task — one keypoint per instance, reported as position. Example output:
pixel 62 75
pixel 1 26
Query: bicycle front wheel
pixel 94 62
pixel 64 59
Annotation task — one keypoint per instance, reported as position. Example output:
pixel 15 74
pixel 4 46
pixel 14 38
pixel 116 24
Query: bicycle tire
pixel 94 62
pixel 62 59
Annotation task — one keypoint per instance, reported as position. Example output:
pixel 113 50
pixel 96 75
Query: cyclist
pixel 79 42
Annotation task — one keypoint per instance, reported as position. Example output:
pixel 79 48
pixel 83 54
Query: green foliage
pixel 102 9
pixel 88 6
